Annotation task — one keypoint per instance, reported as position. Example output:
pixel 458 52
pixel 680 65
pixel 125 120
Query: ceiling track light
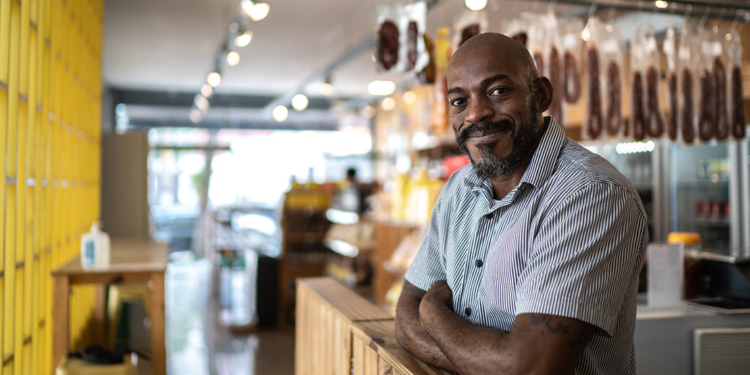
pixel 280 113
pixel 300 102
pixel 214 79
pixel 237 34
pixel 475 5
pixel 233 58
pixel 326 88
pixel 206 90
pixel 243 39
pixel 255 11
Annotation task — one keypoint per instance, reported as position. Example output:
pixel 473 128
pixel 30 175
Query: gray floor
pixel 198 345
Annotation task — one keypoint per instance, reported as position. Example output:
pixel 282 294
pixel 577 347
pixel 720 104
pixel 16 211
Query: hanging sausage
pixel 686 84
pixel 735 102
pixel 670 50
pixel 637 94
pixel 571 41
pixel 652 61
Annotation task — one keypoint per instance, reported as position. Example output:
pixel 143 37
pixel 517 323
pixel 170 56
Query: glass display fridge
pixel 710 193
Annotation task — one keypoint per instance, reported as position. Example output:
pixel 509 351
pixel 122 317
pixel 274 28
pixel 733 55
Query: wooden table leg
pixel 158 339
pixel 60 320
pixel 100 314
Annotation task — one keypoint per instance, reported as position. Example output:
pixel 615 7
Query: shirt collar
pixel 542 164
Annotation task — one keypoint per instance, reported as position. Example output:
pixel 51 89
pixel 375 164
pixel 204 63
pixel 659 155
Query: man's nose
pixel 479 110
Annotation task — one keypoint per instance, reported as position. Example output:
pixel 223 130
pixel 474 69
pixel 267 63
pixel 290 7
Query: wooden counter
pixel 339 332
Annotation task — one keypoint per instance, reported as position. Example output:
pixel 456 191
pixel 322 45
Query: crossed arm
pixel 537 344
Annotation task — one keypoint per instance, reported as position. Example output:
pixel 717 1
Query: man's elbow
pixel 399 333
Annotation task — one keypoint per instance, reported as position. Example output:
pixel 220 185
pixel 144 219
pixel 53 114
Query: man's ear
pixel 544 93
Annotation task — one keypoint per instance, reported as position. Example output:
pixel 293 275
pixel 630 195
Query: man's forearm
pixel 470 349
pixel 540 344
pixel 412 336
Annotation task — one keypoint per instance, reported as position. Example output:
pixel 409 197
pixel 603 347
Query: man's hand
pixel 438 295
pixel 409 331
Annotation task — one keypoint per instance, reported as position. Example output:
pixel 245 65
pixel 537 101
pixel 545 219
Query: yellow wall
pixel 50 95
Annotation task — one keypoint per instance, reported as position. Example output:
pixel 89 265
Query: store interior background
pixel 242 190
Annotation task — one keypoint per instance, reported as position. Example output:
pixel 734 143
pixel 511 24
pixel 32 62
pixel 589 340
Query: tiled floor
pixel 198 345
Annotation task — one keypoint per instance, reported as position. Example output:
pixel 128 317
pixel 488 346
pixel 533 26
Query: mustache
pixel 502 125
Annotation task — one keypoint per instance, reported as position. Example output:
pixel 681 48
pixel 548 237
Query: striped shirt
pixel 568 240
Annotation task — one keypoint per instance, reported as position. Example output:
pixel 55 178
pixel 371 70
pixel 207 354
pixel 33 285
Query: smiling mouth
pixel 481 134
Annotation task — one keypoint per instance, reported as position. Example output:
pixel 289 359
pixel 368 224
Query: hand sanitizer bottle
pixel 95 248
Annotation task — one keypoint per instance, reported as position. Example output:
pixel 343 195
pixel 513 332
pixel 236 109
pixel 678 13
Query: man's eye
pixel 498 91
pixel 456 102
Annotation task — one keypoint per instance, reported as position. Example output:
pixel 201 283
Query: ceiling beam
pixel 709 9
pixel 322 125
pixel 185 99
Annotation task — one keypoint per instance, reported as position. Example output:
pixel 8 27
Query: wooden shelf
pixel 303 236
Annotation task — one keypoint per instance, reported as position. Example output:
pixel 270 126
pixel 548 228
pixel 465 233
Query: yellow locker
pixel 4 41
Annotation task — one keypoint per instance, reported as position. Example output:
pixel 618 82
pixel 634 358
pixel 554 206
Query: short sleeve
pixel 429 264
pixel 587 252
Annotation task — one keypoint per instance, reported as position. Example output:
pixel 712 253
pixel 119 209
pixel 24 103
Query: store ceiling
pixel 171 44
pixel 168 46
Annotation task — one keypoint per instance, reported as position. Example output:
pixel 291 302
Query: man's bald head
pixel 499 47
pixel 496 99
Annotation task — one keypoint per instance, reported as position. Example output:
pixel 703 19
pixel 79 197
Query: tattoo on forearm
pixel 413 289
pixel 559 327
pixel 580 341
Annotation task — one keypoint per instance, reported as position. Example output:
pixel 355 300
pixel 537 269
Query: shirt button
pixel 468 311
pixel 478 263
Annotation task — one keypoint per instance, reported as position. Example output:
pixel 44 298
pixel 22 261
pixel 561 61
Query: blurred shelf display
pixel 303 250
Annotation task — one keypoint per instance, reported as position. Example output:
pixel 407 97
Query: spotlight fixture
pixel 243 39
pixel 214 79
pixel 195 115
pixel 326 88
pixel 388 104
pixel 368 111
pixel 233 58
pixel 260 11
pixel 206 90
pixel 300 102
pixel 280 113
pixel 475 5
pixel 255 11
pixel 201 102
pixel 410 97
pixel 381 88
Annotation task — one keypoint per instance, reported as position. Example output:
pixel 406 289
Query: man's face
pixel 494 112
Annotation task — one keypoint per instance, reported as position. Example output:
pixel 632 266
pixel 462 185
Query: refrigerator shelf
pixel 711 221
pixel 703 184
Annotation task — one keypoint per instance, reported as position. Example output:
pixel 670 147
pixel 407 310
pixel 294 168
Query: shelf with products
pixel 303 251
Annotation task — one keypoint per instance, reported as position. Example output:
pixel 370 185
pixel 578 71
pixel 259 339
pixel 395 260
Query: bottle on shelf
pixel 439 110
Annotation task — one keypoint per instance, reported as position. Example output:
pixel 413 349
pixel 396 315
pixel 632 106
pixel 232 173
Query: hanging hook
pixel 687 15
pixel 611 13
pixel 551 5
pixel 721 16
pixel 735 20
pixel 592 9
pixel 705 16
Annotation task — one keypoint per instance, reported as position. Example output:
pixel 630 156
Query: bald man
pixel 531 261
